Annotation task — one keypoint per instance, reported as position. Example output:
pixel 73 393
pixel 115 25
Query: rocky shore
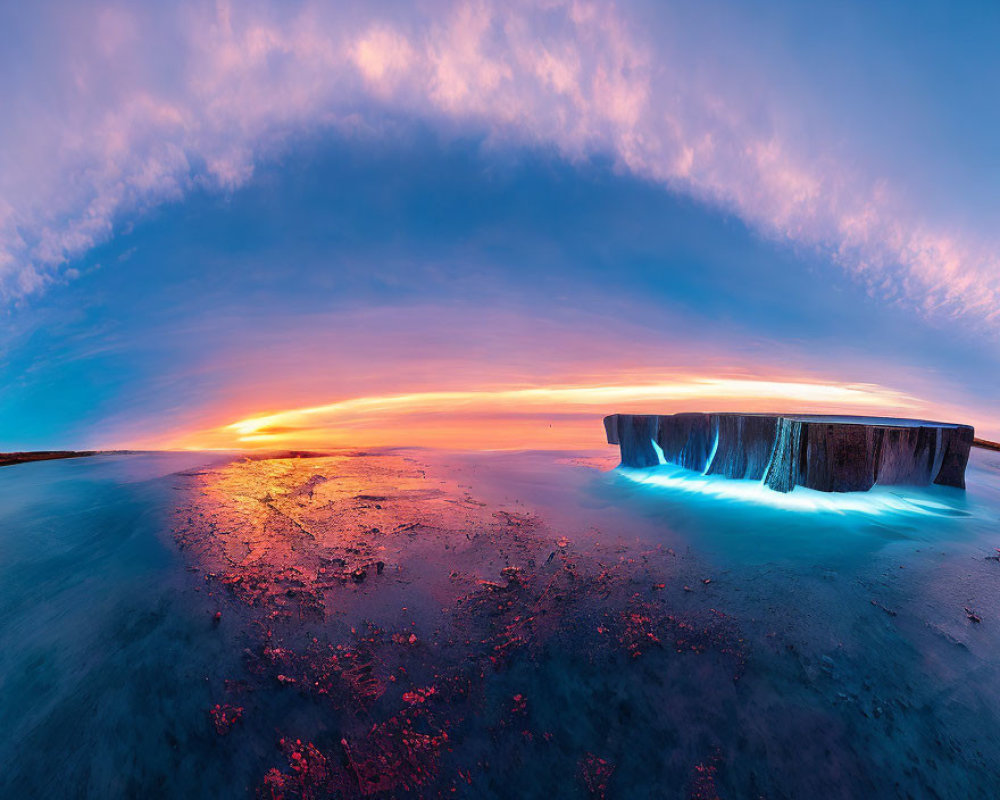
pixel 9 459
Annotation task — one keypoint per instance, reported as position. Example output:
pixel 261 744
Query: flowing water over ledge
pixel 496 625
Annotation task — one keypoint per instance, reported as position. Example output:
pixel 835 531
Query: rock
pixel 743 446
pixel 827 453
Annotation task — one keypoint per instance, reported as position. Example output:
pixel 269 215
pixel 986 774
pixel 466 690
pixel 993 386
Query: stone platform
pixel 827 453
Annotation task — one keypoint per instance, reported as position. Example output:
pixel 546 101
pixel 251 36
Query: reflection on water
pixel 540 624
pixel 750 524
pixel 880 501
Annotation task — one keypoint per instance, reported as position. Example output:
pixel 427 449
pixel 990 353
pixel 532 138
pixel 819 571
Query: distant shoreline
pixel 9 459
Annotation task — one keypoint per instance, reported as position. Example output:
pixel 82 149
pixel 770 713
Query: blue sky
pixel 212 213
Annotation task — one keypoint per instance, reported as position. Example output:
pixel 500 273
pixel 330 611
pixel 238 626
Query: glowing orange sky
pixel 563 416
pixel 485 225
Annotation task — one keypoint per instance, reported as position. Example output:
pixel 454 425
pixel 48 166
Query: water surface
pixel 849 646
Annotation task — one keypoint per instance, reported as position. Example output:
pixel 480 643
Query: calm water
pixel 866 674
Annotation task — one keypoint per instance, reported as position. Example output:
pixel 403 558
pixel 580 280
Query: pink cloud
pixel 127 126
pixel 372 357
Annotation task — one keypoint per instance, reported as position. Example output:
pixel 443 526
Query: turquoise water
pixel 866 676
pixel 866 657
pixel 865 673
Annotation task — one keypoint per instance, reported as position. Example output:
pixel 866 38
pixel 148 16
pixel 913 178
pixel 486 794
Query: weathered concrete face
pixel 827 453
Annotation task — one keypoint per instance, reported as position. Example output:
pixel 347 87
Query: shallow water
pixel 865 673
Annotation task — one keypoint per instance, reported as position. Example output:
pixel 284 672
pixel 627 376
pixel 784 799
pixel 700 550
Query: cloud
pixel 505 417
pixel 144 104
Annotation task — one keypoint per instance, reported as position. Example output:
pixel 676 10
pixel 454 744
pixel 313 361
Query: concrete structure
pixel 828 453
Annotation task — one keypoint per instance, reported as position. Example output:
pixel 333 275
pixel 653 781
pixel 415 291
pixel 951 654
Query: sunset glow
pixel 481 224
pixel 523 417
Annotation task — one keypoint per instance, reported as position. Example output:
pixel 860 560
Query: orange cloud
pixel 561 416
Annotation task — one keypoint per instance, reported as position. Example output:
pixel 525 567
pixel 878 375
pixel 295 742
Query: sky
pixel 488 224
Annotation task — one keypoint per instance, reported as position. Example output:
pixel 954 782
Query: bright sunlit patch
pixel 877 502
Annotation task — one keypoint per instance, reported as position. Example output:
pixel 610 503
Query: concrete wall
pixel 831 454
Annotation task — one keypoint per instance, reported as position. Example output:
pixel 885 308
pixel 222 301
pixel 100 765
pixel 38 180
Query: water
pixel 865 673
pixel 104 648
